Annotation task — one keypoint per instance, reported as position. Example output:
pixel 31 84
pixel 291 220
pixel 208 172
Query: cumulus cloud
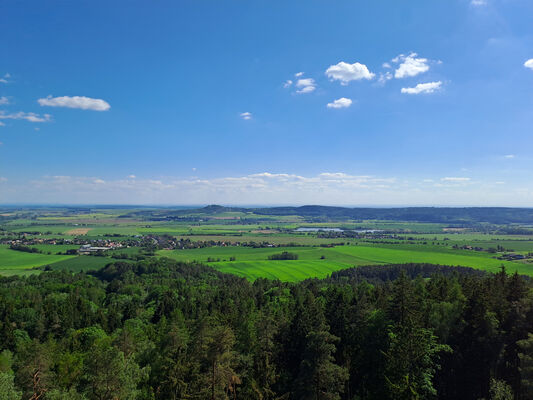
pixel 5 78
pixel 305 85
pixel 246 115
pixel 410 65
pixel 81 102
pixel 132 176
pixel 428 87
pixel 346 73
pixel 298 74
pixel 529 63
pixel 28 116
pixel 4 100
pixel 343 102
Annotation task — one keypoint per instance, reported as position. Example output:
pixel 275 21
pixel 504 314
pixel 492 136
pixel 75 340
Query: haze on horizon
pixel 336 103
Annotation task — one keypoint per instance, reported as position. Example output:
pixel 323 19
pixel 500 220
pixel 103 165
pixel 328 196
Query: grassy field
pixel 252 263
pixel 81 263
pixel 13 262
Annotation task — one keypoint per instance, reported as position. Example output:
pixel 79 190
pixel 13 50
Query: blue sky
pixel 267 102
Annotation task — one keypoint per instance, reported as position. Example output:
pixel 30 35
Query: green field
pixel 81 263
pixel 13 262
pixel 395 241
pixel 252 263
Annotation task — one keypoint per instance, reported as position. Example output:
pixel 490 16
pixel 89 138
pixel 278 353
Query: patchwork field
pixel 357 242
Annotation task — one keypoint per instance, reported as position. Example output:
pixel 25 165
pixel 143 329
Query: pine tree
pixel 320 378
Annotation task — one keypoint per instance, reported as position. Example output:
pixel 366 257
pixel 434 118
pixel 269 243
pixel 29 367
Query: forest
pixel 162 329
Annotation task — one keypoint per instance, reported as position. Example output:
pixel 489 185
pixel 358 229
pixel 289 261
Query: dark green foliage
pixel 283 256
pixel 160 329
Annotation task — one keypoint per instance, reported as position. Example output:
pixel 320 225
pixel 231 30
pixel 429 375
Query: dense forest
pixel 165 330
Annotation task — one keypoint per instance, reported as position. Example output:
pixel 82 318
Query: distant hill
pixel 447 215
pixel 496 215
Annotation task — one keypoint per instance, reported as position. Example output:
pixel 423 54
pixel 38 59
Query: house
pixel 88 249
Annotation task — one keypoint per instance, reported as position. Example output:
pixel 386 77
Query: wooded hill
pixel 448 215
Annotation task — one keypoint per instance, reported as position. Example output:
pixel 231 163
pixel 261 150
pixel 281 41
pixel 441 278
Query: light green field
pixel 13 262
pixel 252 263
pixel 54 249
pixel 277 238
pixel 288 271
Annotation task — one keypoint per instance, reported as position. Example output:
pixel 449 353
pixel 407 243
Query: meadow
pixel 319 262
pixel 14 262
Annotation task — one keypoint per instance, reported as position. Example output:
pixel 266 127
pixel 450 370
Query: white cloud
pixel 455 179
pixel 4 100
pixel 509 156
pixel 2 124
pixel 288 83
pixel 81 102
pixel 273 188
pixel 410 65
pixel 306 89
pixel 306 85
pixel 478 2
pixel 383 78
pixel 343 102
pixel 5 78
pixel 263 187
pixel 298 74
pixel 2 179
pixel 529 63
pixel 246 115
pixel 428 87
pixel 30 116
pixel 132 176
pixel 345 72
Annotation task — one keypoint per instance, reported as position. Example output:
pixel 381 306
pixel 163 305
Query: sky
pixel 333 102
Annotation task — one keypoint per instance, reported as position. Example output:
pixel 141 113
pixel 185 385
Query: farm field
pixel 81 263
pixel 198 234
pixel 13 262
pixel 252 263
